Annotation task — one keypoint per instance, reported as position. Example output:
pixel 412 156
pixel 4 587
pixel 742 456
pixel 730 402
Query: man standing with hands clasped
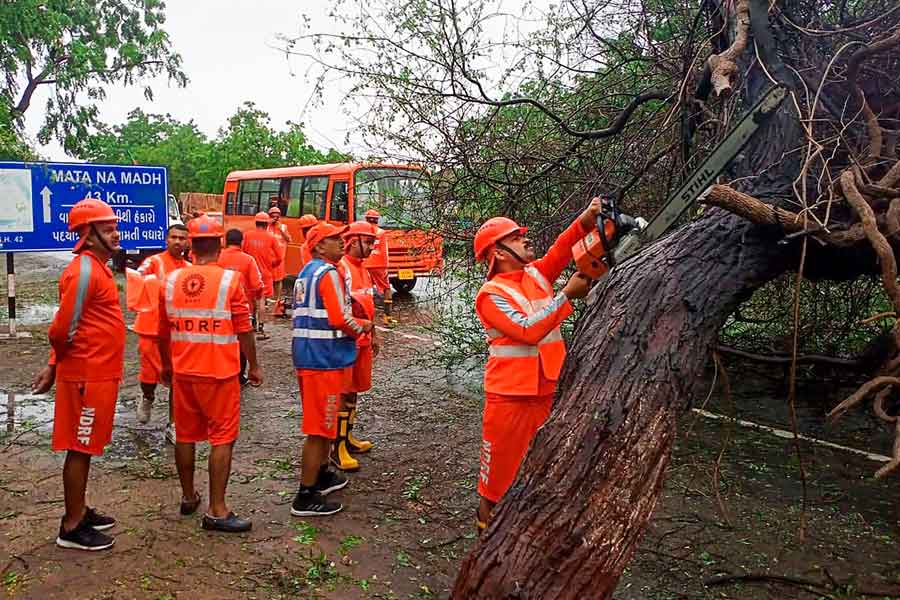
pixel 324 349
pixel 204 326
pixel 521 315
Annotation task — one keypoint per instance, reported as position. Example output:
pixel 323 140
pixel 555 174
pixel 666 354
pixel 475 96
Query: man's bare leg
pixel 75 477
pixel 219 472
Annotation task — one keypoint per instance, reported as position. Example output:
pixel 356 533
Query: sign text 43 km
pixel 35 199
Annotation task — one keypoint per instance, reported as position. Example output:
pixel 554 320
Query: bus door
pixel 339 200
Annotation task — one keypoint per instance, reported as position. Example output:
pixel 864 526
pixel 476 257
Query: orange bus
pixel 342 193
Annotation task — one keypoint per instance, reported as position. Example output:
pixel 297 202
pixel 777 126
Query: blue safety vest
pixel 316 344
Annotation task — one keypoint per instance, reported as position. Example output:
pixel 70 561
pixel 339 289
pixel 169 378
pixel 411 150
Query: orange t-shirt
pixel 87 334
pixel 379 257
pixel 263 247
pixel 159 265
pixel 235 259
pixel 359 283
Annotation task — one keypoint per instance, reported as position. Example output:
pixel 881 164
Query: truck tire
pixel 403 286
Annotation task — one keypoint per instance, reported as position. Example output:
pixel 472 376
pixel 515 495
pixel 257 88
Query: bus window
pixel 230 205
pixel 305 196
pixel 254 195
pixel 248 195
pixel 400 195
pixel 294 205
pixel 313 196
pixel 339 201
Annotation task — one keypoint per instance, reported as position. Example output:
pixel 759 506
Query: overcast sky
pixel 229 53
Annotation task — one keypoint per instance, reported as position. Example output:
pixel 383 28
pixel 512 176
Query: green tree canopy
pixel 77 48
pixel 197 163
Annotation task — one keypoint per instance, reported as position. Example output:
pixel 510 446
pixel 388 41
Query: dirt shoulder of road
pixel 409 511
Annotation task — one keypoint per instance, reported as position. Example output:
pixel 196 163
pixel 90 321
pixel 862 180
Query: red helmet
pixel 87 211
pixel 372 214
pixel 492 231
pixel 359 228
pixel 307 221
pixel 204 227
pixel 90 210
pixel 262 217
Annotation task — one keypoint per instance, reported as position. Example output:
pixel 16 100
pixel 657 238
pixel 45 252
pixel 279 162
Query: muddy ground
pixel 409 511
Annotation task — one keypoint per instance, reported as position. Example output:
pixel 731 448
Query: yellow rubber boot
pixel 356 446
pixel 340 453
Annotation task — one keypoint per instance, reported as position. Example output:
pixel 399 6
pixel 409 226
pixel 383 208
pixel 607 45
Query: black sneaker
pixel 229 524
pixel 329 481
pixel 98 521
pixel 84 537
pixel 311 503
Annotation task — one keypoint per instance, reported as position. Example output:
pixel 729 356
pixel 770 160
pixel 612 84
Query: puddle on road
pixel 35 314
pixel 25 412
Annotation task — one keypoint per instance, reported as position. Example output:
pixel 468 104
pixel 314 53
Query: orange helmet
pixel 204 227
pixel 275 211
pixel 492 231
pixel 87 211
pixel 307 221
pixel 90 210
pixel 372 214
pixel 262 217
pixel 359 228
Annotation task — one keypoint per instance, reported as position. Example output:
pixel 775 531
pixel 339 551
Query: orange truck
pixel 342 193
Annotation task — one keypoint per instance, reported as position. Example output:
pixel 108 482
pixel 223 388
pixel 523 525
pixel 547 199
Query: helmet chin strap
pixel 511 252
pixel 101 240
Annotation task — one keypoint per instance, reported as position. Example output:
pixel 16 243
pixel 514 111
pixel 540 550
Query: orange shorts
pixel 206 409
pixel 151 363
pixel 268 290
pixel 320 392
pixel 83 415
pixel 362 370
pixel 380 279
pixel 510 423
pixel 278 273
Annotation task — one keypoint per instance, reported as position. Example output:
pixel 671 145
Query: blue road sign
pixel 35 199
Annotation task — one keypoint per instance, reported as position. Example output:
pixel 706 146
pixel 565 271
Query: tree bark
pixel 570 523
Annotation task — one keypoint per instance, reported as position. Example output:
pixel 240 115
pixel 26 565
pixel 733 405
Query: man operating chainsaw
pixel 521 315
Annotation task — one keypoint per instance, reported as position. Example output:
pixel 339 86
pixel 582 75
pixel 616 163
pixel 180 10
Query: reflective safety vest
pixel 203 341
pixel 513 367
pixel 316 344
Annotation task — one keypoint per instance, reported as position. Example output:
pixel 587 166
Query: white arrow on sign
pixel 45 195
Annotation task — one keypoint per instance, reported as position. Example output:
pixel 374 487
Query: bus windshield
pixel 400 195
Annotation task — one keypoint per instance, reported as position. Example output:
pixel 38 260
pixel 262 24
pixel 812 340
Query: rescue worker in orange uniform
pixel 232 257
pixel 262 246
pixel 521 315
pixel 87 339
pixel 146 323
pixel 204 326
pixel 307 222
pixel 282 237
pixel 358 240
pixel 324 349
pixel 377 263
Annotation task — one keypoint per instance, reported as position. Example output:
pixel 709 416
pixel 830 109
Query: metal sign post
pixel 11 297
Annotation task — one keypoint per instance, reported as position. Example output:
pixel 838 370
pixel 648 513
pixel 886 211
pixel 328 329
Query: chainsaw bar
pixel 704 176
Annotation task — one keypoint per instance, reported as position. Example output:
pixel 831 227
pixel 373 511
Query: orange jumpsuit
pixel 521 316
pixel 278 272
pixel 362 290
pixel 321 389
pixel 203 309
pixel 262 246
pixel 235 259
pixel 377 262
pixel 146 323
pixel 87 339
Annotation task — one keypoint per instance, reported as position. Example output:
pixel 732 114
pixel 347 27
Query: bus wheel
pixel 403 286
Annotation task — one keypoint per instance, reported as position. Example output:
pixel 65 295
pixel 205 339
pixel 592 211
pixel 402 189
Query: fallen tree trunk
pixel 572 520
